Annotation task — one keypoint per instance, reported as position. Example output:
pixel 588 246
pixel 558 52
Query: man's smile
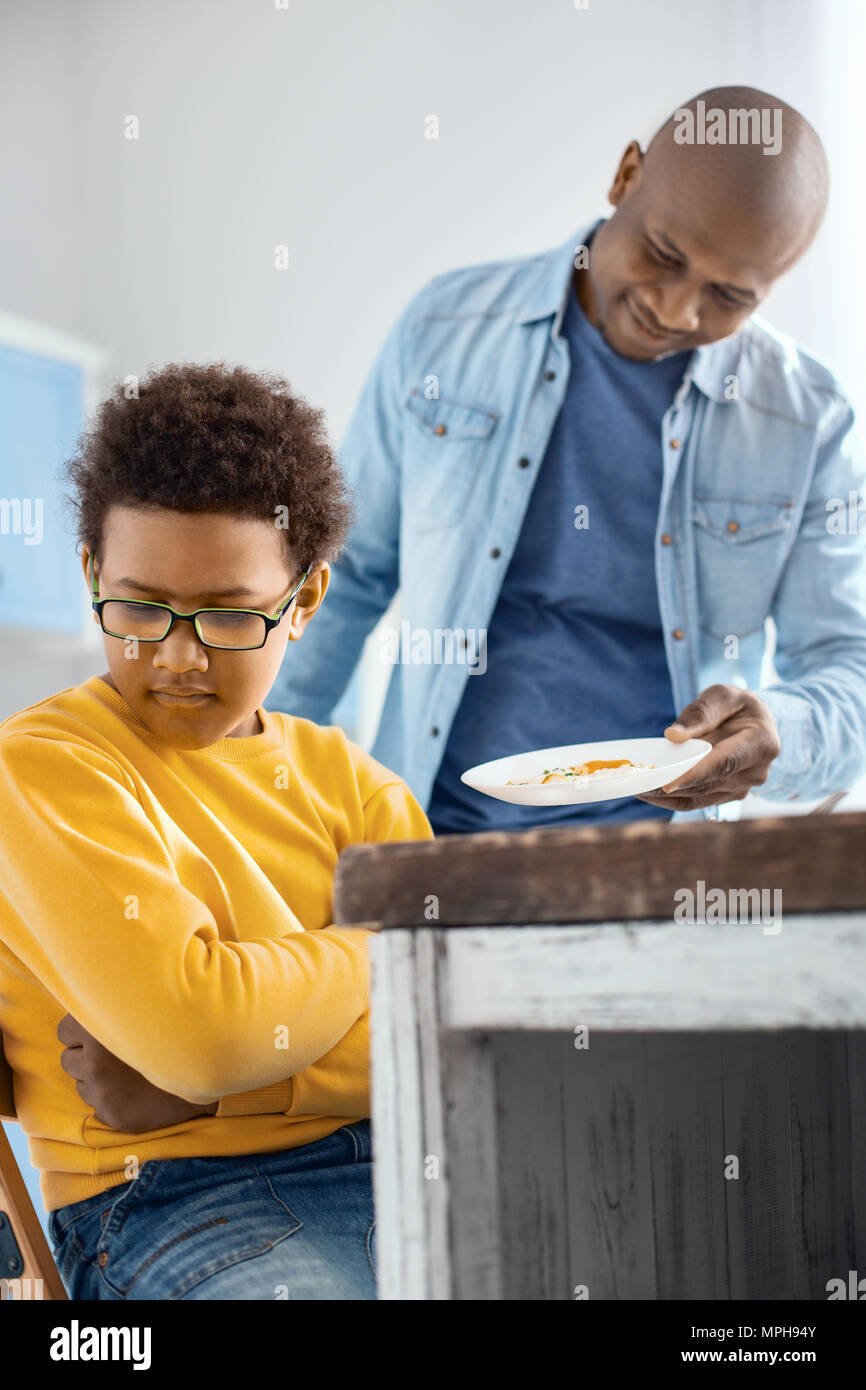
pixel 648 327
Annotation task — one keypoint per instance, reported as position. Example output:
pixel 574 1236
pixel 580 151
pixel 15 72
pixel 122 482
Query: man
pixel 602 472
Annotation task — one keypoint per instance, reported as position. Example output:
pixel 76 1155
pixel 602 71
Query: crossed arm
pixel 123 1099
pixel 120 1096
pixel 127 979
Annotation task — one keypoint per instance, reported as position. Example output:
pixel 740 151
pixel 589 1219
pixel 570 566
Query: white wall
pixel 811 52
pixel 306 126
pixel 43 201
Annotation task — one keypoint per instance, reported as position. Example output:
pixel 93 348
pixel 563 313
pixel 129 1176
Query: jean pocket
pixel 74 1238
pixel 64 1221
pixel 160 1248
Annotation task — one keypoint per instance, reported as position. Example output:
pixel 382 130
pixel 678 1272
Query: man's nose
pixel 676 307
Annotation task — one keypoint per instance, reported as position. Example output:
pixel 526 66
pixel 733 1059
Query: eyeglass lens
pixel 150 624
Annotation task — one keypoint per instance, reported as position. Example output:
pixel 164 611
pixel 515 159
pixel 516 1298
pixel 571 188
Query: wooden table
pixel 575 1095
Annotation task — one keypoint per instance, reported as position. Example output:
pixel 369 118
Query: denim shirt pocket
pixel 741 543
pixel 444 446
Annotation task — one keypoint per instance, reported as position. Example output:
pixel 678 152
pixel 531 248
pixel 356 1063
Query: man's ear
pixel 628 175
pixel 309 598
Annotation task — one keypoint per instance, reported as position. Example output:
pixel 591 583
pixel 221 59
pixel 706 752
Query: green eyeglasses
pixel 232 629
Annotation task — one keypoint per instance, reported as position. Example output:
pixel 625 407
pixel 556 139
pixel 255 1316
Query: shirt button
pixel 550 376
pixel 440 429
pixel 733 526
pixel 675 443
pixel 678 632
pixel 666 540
pixel 434 731
pixel 495 553
pixel 523 463
pixel 102 1258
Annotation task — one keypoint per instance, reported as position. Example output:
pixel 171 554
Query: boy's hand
pixel 121 1097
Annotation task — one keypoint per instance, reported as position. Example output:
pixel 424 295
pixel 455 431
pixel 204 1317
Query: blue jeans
pixel 298 1223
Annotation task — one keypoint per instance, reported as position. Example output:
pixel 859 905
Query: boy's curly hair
pixel 213 438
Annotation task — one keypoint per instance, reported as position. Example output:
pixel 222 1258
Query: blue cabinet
pixel 41 415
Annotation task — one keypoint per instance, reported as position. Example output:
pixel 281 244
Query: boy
pixel 167 850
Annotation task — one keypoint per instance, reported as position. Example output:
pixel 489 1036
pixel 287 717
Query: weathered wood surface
pixel 669 1167
pixel 654 975
pixel 855 1051
pixel 434 1158
pixel 403 1126
pixel 513 1164
pixel 597 874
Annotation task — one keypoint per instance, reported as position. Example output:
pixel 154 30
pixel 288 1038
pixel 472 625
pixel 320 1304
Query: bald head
pixel 728 196
pixel 744 147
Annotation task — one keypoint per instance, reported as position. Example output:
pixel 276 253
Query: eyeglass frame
pixel 270 622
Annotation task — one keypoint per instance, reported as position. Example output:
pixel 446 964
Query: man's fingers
pixel 695 803
pixel 726 761
pixel 754 775
pixel 711 708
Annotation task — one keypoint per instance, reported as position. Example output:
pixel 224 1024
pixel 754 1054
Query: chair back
pixel 27 1268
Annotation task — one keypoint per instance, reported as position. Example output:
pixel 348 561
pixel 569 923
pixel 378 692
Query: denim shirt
pixel 758 518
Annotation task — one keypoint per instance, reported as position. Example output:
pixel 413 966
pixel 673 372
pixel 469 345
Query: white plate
pixel 671 761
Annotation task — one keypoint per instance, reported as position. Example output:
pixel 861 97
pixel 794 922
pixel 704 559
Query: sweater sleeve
pixel 96 911
pixel 267 1100
pixel 339 1082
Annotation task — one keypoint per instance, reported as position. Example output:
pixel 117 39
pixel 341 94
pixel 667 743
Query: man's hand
pixel 122 1098
pixel 745 741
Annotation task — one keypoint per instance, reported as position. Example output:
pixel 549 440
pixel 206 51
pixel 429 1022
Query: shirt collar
pixel 551 287
pixel 710 366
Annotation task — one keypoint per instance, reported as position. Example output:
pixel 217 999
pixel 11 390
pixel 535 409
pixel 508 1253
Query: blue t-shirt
pixel 575 650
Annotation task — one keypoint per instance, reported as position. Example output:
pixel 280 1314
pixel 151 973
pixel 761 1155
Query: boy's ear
pixel 309 599
pixel 85 566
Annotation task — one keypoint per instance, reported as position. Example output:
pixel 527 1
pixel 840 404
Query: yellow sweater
pixel 177 904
